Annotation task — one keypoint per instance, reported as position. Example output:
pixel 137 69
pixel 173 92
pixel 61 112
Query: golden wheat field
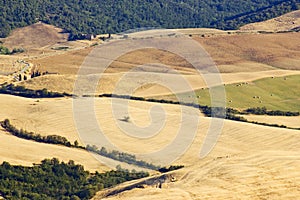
pixel 245 161
pixel 248 161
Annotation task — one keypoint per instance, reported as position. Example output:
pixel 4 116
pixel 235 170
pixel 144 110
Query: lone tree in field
pixel 126 119
pixel 76 143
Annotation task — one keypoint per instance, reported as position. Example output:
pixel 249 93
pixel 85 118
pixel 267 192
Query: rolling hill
pixel 287 22
pixel 274 93
pixel 248 161
pixel 38 35
pixel 239 58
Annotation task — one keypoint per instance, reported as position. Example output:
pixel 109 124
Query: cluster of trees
pixel 37 73
pixel 49 139
pixel 264 111
pixel 110 16
pixel 121 156
pixel 145 99
pixel 221 112
pixel 53 179
pixel 24 92
pixel 5 51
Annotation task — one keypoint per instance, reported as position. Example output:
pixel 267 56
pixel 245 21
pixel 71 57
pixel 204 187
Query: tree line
pixel 60 140
pixel 121 156
pixel 264 111
pixel 52 179
pixel 109 16
pixel 49 139
pixel 216 112
pixel 25 92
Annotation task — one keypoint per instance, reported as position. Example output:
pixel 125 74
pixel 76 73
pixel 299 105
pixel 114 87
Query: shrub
pixel 171 168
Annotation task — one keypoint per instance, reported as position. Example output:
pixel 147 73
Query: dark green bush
pixel 171 168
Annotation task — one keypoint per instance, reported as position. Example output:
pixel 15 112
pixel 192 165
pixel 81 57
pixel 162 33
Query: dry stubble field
pixel 248 161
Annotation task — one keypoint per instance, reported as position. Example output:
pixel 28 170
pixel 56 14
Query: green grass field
pixel 279 93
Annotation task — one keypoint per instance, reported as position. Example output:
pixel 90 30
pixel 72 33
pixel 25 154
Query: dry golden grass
pixel 63 62
pixel 42 43
pixel 145 56
pixel 45 116
pixel 38 35
pixel 248 162
pixel 201 31
pixel 293 122
pixel 232 53
pixel 109 81
pixel 55 116
pixel 235 55
pixel 254 52
pixel 3 79
pixel 23 152
pixel 259 53
pixel 283 23
pixel 69 62
pixel 8 64
pixel 59 83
